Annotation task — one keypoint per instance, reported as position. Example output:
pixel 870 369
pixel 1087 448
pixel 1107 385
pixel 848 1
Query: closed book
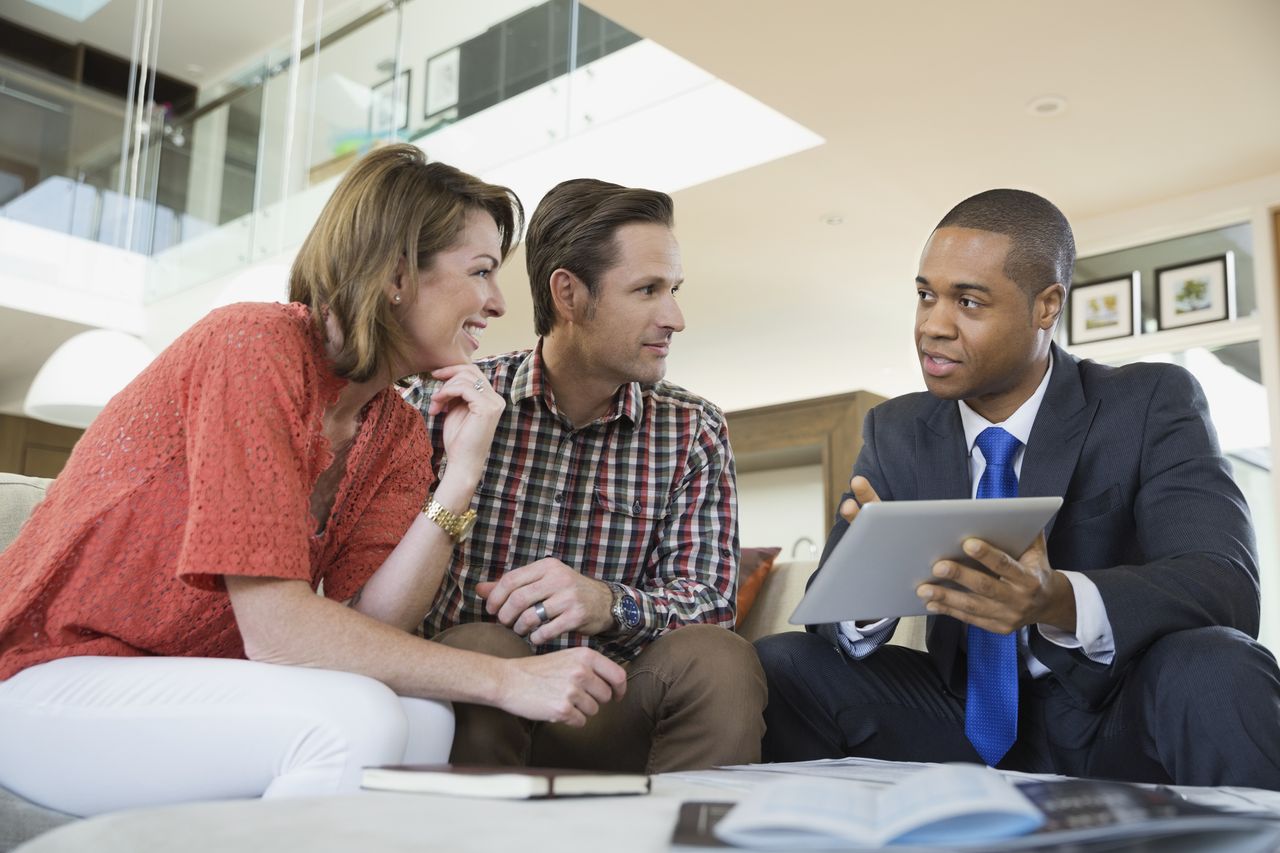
pixel 512 783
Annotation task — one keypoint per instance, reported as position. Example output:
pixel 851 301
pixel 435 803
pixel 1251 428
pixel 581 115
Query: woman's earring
pixel 396 299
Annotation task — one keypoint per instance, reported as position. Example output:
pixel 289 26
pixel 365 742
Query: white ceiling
pixel 921 103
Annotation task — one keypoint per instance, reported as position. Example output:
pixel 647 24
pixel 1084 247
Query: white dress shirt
pixel 1093 634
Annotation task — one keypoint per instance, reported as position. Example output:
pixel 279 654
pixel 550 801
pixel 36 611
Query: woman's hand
pixel 471 410
pixel 561 687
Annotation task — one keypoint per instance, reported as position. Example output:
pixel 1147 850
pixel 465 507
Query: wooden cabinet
pixel 824 430
pixel 34 448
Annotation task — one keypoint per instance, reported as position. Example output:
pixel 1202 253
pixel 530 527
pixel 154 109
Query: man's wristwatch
pixel 626 613
pixel 457 526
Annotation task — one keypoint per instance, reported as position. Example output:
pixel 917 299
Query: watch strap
pixel 457 526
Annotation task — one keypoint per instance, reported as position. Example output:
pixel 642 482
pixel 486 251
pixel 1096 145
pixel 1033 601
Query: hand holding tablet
pixel 891 547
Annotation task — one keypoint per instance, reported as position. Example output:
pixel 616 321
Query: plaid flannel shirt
pixel 643 496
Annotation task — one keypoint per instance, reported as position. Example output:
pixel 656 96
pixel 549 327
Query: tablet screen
pixel 891 546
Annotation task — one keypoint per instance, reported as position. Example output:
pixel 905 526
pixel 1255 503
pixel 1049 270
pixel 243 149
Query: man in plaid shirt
pixel 606 516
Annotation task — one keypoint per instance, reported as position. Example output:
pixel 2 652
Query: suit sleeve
pixel 1193 532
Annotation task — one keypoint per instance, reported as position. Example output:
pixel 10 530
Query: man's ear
pixel 569 294
pixel 1048 306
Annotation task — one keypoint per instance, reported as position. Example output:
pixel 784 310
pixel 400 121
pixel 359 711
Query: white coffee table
pixel 380 821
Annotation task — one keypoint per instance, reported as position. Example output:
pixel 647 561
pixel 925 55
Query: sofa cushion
pixel 21 821
pixel 781 592
pixel 18 497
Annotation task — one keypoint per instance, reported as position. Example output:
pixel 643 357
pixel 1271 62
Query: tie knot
pixel 997 446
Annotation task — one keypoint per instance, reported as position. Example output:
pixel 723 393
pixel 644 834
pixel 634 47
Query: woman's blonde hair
pixel 391 205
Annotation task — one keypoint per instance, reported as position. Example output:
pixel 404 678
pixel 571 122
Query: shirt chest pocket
pixel 498 491
pixel 637 505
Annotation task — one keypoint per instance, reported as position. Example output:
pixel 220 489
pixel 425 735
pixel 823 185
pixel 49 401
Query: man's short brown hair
pixel 573 229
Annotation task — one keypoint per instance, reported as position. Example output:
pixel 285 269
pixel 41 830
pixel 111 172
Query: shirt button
pixel 559 496
pixel 635 507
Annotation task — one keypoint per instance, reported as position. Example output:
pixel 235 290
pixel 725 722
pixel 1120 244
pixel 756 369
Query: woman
pixel 161 639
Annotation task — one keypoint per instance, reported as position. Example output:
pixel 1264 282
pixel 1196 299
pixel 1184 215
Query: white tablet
pixel 891 546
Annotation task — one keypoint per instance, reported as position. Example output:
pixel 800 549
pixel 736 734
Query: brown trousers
pixel 695 699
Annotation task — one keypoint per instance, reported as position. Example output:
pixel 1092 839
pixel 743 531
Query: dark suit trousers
pixel 1199 707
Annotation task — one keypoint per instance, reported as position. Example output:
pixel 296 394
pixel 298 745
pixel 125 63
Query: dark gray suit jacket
pixel 1150 511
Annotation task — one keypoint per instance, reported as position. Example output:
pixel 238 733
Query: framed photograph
pixel 1104 309
pixel 1198 292
pixel 442 81
pixel 389 106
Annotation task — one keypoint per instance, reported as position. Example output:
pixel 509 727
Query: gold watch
pixel 457 526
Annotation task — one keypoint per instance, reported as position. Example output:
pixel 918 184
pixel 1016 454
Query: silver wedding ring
pixel 541 610
pixel 479 384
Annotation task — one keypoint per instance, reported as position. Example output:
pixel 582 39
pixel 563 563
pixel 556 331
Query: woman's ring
pixel 479 384
pixel 540 609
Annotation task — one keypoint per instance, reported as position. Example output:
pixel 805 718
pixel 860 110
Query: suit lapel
pixel 1058 433
pixel 942 459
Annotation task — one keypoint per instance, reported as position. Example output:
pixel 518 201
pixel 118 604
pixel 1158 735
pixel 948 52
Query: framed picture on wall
pixel 389 106
pixel 442 81
pixel 1201 291
pixel 1103 309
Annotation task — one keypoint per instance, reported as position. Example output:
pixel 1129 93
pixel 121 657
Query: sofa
pixel 779 593
pixel 19 819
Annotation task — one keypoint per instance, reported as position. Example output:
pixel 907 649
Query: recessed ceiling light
pixel 832 219
pixel 1047 105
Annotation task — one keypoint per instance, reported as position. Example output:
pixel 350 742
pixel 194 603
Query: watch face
pixel 466 522
pixel 630 611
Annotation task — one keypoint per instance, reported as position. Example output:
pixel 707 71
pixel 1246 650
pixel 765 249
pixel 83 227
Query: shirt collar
pixel 529 383
pixel 1018 424
pixel 526 382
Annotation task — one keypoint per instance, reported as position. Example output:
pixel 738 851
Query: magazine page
pixel 797 813
pixel 955 804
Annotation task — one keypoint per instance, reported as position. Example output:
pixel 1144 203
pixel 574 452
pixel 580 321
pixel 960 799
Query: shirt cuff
pixel 860 642
pixel 629 643
pixel 1093 634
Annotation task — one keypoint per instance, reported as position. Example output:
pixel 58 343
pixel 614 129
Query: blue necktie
pixel 991 703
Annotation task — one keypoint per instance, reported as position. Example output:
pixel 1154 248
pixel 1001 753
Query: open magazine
pixel 951 803
pixel 958 806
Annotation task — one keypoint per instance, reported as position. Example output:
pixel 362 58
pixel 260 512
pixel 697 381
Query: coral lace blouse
pixel 204 467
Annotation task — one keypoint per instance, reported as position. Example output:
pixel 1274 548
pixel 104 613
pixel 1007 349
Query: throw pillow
pixel 754 565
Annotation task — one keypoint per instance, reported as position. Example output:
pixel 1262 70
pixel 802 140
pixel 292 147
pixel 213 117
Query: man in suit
pixel 1122 643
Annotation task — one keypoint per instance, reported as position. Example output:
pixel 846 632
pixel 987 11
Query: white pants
pixel 86 735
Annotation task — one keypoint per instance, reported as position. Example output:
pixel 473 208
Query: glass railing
pixel 56 140
pixel 239 178
pixel 295 119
